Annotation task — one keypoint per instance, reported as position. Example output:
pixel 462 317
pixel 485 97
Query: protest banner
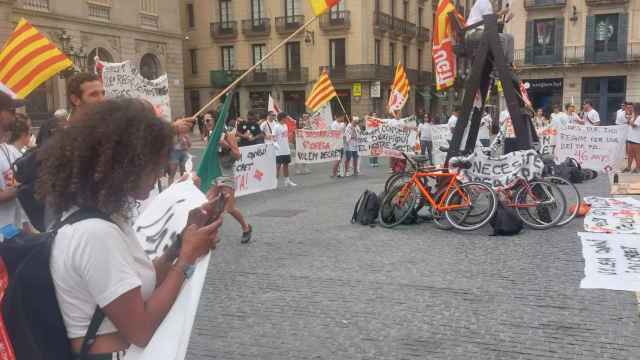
pixel 503 170
pixel 601 148
pixel 611 261
pixel 384 139
pixel 157 227
pixel 440 136
pixel 547 136
pixel 321 119
pixel 256 169
pixel 318 146
pixel 124 80
pixel 612 215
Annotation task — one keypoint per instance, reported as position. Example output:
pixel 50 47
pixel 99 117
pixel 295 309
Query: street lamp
pixel 77 56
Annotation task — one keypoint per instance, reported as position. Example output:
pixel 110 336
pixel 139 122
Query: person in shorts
pixel 351 133
pixel 283 154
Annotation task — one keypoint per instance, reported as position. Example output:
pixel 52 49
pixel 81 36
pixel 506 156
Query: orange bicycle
pixel 451 204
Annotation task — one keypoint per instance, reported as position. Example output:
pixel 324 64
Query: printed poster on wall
pixel 256 169
pixel 611 261
pixel 124 80
pixel 318 146
pixel 601 148
pixel 158 226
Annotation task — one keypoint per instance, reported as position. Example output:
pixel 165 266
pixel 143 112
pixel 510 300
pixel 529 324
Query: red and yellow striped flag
pixel 322 92
pixel 399 90
pixel 28 59
pixel 321 6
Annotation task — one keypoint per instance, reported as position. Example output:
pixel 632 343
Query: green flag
pixel 209 168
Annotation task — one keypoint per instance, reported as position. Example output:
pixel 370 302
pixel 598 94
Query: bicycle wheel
pixel 439 220
pixel 540 205
pixel 397 179
pixel 571 194
pixel 482 203
pixel 397 205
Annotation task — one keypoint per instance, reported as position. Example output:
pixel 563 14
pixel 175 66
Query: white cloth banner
pixel 158 226
pixel 503 170
pixel 601 148
pixel 547 137
pixel 612 215
pixel 322 118
pixel 440 136
pixel 256 169
pixel 611 261
pixel 384 138
pixel 124 80
pixel 318 146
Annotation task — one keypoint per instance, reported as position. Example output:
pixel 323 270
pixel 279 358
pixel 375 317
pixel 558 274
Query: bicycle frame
pixel 507 191
pixel 453 184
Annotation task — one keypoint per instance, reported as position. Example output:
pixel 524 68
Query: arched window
pixel 150 67
pixel 102 53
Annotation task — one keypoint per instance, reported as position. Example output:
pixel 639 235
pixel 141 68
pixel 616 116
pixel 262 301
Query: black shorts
pixel 283 159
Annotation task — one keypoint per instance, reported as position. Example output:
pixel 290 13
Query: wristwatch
pixel 187 269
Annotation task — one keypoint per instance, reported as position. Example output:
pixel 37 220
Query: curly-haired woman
pixel 107 160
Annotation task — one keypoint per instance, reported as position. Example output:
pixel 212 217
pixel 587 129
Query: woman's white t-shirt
pixel 425 131
pixel 634 132
pixel 93 262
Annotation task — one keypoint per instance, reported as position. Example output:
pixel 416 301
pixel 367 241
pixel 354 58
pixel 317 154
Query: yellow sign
pixel 357 89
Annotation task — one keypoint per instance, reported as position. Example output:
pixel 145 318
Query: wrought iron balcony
pixel 381 21
pixel 537 4
pixel 224 30
pixel 403 28
pixel 288 24
pixel 223 78
pixel 256 27
pixel 423 34
pixel 606 2
pixel 576 55
pixel 360 72
pixel 335 21
pixel 277 76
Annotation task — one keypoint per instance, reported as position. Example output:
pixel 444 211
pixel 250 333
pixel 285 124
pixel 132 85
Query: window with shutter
pixel 589 50
pixel 528 51
pixel 559 50
pixel 623 30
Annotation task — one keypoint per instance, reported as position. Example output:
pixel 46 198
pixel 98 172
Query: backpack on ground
pixel 30 308
pixel 366 210
pixel 570 170
pixel 506 222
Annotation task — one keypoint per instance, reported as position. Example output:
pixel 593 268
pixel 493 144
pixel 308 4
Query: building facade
pixel 573 51
pixel 146 32
pixel 358 42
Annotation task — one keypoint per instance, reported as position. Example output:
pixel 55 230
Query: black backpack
pixel 505 221
pixel 25 169
pixel 30 307
pixel 570 170
pixel 366 210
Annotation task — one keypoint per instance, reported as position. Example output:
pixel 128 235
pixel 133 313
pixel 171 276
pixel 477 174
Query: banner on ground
pixel 611 261
pixel 158 226
pixel 385 139
pixel 612 215
pixel 256 169
pixel 503 170
pixel 547 136
pixel 440 136
pixel 600 148
pixel 318 146
pixel 124 80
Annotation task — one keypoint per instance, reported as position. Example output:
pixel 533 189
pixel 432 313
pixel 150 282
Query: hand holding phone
pixel 207 212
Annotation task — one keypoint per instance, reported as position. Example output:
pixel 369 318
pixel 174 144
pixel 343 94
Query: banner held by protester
pixel 318 146
pixel 601 148
pixel 256 169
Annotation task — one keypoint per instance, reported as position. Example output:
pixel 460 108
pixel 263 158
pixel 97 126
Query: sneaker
pixel 246 236
pixel 290 183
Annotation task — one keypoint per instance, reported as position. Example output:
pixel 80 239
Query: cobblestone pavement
pixel 312 286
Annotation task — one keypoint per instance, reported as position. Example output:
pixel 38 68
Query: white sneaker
pixel 289 183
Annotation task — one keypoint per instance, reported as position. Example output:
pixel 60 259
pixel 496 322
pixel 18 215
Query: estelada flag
pixel 444 59
pixel 321 6
pixel 399 90
pixel 28 59
pixel 322 92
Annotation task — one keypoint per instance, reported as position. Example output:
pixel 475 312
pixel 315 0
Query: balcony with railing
pixel 264 76
pixel 99 11
pixel 423 34
pixel 606 2
pixel 360 72
pixel 288 24
pixel 576 55
pixel 40 5
pixel 400 27
pixel 224 30
pixel 381 21
pixel 256 27
pixel 336 21
pixel 544 4
pixel 223 78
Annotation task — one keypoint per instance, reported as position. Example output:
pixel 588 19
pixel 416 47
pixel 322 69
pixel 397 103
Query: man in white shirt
pixel 351 133
pixel 624 114
pixel 571 116
pixel 558 118
pixel 453 120
pixel 267 126
pixel 426 143
pixel 338 124
pixel 484 133
pixel 283 155
pixel 591 116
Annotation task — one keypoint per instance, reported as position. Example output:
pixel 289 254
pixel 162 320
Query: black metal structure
pixel 489 56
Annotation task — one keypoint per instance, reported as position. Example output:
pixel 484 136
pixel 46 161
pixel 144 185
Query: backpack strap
pixel 80 215
pixel 355 209
pixel 92 333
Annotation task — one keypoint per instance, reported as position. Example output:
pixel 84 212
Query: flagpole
pixel 342 106
pixel 241 77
